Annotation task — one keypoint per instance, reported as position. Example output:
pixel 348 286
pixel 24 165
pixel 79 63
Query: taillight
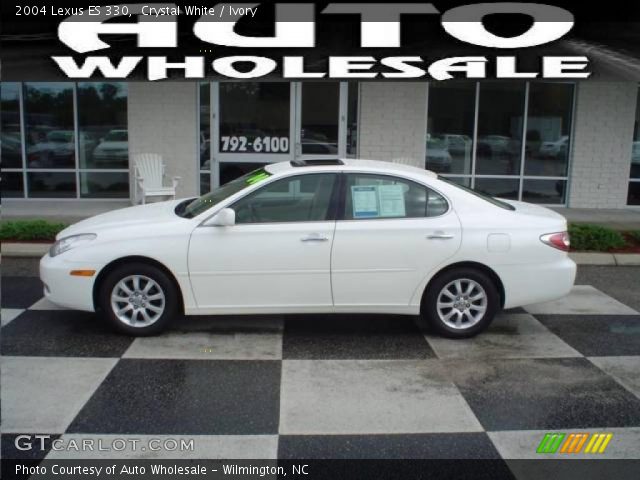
pixel 559 240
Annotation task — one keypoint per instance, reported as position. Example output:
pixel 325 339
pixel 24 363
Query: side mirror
pixel 224 218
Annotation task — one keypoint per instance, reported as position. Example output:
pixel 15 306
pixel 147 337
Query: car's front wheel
pixel 461 303
pixel 138 299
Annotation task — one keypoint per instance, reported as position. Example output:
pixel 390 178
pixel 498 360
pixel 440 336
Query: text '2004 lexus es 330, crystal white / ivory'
pixel 315 236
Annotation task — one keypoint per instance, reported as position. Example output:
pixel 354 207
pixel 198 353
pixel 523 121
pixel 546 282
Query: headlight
pixel 68 243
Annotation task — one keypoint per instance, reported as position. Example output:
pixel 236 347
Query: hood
pixel 152 213
pixel 113 145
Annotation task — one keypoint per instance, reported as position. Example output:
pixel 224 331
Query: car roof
pixel 348 164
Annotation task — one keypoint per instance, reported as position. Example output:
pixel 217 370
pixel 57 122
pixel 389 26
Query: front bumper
pixel 64 289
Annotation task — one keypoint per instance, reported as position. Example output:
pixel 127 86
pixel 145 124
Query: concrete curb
pixel 24 249
pixel 581 258
pixel 586 258
pixel 626 259
pixel 611 259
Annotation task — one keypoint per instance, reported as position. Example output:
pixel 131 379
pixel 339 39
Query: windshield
pixel 60 137
pixel 492 200
pixel 215 196
pixel 116 136
pixel 437 143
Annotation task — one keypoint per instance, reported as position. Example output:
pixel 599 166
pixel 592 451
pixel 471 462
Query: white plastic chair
pixel 150 174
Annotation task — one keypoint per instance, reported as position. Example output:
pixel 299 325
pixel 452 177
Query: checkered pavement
pixel 346 386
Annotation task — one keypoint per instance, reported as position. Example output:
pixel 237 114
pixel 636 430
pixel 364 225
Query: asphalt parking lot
pixel 347 386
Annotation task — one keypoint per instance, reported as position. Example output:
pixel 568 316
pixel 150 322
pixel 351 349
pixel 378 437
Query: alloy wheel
pixel 461 303
pixel 138 301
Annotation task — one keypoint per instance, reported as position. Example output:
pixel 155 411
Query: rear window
pixel 488 198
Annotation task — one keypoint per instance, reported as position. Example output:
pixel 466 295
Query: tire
pixel 156 297
pixel 474 309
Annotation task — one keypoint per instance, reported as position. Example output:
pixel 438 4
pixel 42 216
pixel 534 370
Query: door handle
pixel 439 236
pixel 314 238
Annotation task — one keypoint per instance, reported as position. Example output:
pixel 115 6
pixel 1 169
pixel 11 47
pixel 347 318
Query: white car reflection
pixel 555 149
pixel 113 148
pixel 438 156
pixel 57 149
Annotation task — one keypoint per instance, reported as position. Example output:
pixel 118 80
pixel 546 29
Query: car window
pixel 382 196
pixel 303 198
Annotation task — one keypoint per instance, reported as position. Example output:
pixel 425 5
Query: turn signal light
pixel 558 240
pixel 82 273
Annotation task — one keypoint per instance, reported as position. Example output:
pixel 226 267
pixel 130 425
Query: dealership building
pixel 71 147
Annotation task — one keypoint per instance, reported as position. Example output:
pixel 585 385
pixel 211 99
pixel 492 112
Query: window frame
pixel 632 179
pixel 342 200
pixel 332 210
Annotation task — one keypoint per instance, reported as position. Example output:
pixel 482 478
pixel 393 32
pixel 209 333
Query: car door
pixel 277 255
pixel 390 234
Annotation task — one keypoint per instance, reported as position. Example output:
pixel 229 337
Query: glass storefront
pixel 633 197
pixel 64 140
pixel 244 125
pixel 475 137
pixel 507 139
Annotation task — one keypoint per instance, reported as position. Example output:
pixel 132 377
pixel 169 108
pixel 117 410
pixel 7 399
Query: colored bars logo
pixel 574 442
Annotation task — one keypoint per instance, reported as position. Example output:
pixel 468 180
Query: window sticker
pixel 391 199
pixel 257 177
pixel 365 201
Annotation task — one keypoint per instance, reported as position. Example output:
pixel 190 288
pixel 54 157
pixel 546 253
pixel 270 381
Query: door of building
pixel 254 123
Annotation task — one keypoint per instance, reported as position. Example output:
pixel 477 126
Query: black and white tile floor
pixel 323 387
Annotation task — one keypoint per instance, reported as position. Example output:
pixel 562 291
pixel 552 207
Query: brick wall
pixel 605 113
pixel 393 122
pixel 163 119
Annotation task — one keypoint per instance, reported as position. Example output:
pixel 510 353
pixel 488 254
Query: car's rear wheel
pixel 461 303
pixel 138 299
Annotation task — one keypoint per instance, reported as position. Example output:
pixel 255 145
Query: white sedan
pixel 323 236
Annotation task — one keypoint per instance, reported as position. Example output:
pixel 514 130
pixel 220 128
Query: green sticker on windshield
pixel 259 176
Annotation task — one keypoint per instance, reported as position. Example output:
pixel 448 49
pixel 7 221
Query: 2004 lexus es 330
pixel 315 236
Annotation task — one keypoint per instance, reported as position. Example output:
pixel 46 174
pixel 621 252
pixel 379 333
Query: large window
pixel 103 140
pixel 64 140
pixel 475 137
pixel 633 197
pixel 500 114
pixel 320 118
pixel 11 140
pixel 450 127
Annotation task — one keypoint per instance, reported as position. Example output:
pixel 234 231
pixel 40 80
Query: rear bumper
pixel 536 283
pixel 64 289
